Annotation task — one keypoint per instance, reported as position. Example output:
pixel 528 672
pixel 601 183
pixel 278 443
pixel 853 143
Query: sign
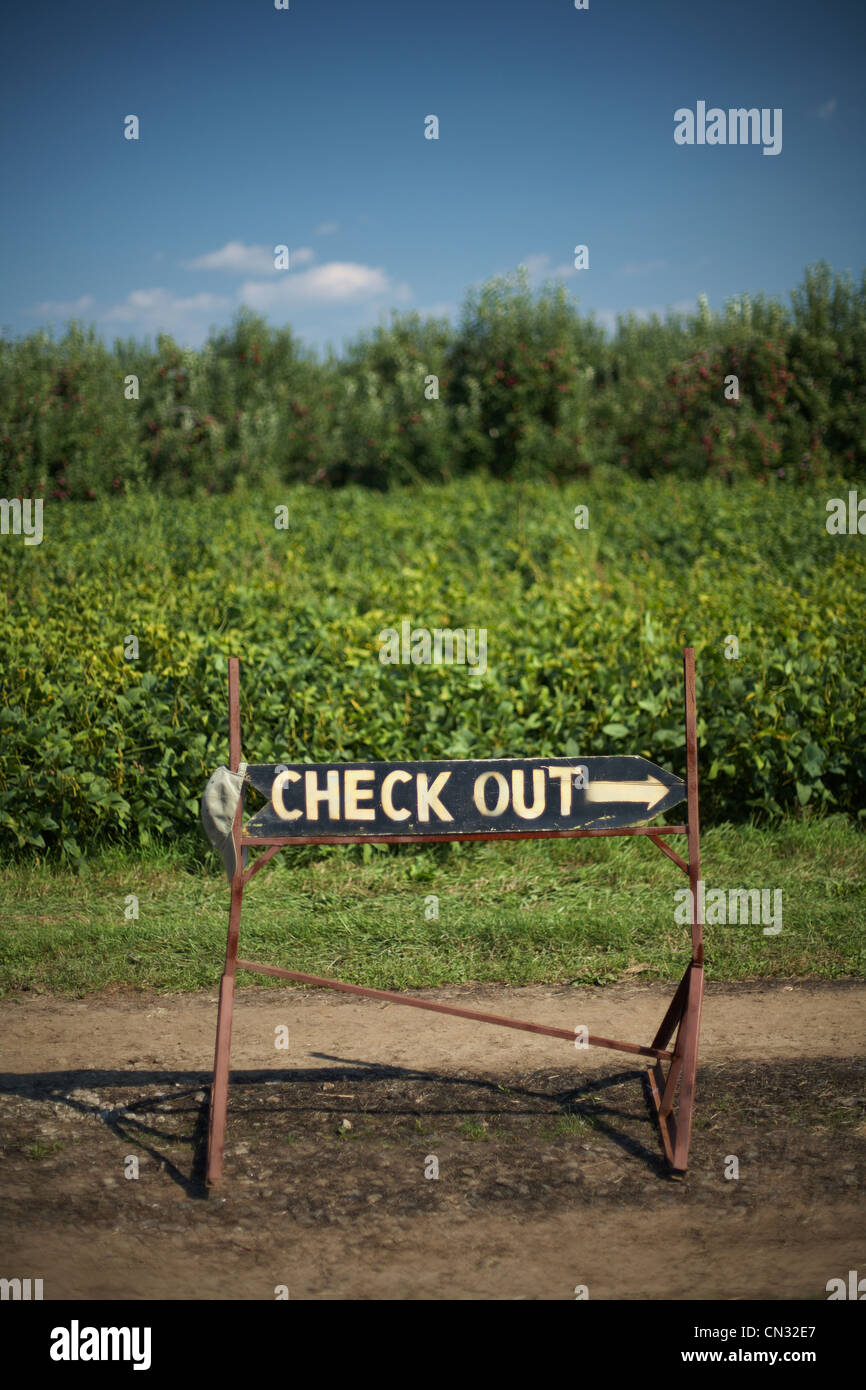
pixel 490 797
pixel 485 799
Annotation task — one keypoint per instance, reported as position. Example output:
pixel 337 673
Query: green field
pixel 585 630
pixel 103 759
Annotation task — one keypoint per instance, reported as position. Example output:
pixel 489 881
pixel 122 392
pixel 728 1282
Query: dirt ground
pixel 550 1174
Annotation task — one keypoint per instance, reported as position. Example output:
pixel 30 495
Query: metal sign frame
pixel 674 1088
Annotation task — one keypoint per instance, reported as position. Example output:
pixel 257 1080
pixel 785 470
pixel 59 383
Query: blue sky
pixel 305 127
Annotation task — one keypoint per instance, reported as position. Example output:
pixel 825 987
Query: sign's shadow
pixel 137 1124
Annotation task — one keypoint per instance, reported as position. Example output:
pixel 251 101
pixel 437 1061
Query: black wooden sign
pixel 490 797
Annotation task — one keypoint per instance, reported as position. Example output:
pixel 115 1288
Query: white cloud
pixel 241 259
pixel 338 282
pixel 536 263
pixel 141 304
pixel 538 267
pixel 327 228
pixel 826 111
pixel 186 318
pixel 62 308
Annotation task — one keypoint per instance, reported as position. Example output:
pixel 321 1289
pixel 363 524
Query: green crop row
pixel 584 632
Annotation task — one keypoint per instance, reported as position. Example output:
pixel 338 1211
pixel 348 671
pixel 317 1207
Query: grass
pixel 473 1130
pixel 570 1127
pixel 587 912
pixel 44 1150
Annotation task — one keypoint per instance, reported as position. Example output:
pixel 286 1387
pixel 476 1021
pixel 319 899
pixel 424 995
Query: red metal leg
pixel 219 1095
pixel 684 1014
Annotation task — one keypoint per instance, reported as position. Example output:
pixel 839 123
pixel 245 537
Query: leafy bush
pixel 521 369
pixel 585 630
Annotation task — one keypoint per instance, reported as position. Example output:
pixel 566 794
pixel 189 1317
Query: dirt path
pixel 549 1170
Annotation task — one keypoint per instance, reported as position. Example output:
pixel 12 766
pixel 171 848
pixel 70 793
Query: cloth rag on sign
pixel 218 806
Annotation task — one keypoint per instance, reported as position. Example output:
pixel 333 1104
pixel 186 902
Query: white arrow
pixel 649 792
